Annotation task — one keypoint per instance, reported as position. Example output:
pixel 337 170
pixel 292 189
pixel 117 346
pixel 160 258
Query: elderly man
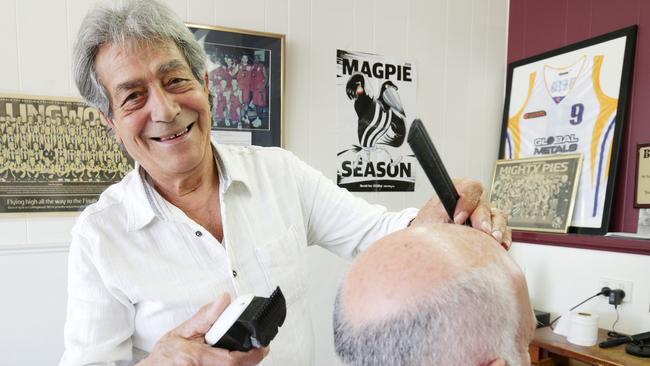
pixel 195 219
pixel 434 295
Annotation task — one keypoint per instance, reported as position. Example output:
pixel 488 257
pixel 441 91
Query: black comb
pixel 433 167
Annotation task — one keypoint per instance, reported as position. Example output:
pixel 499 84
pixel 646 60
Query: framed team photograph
pixel 537 194
pixel 55 155
pixel 574 100
pixel 246 82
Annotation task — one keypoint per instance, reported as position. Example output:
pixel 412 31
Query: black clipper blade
pixel 257 325
pixel 269 316
pixel 433 167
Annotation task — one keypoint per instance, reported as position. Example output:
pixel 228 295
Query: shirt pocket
pixel 279 260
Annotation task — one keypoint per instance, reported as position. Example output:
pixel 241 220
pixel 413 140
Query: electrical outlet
pixel 614 284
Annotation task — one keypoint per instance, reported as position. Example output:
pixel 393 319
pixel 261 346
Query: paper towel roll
pixel 583 329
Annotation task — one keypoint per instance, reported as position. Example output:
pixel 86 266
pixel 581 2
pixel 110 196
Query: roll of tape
pixel 583 329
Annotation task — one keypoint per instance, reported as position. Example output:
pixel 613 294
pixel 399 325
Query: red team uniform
pixel 231 71
pixel 244 79
pixel 252 81
pixel 221 103
pixel 218 74
pixel 259 85
pixel 235 106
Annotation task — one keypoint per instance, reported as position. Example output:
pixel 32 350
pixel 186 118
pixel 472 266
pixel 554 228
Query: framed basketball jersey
pixel 572 100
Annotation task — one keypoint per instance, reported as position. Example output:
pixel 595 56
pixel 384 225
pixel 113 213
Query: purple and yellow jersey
pixel 566 111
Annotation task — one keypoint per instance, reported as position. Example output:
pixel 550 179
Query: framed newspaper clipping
pixel 538 194
pixel 574 100
pixel 246 81
pixel 55 155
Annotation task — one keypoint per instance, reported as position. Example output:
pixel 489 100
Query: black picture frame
pixel 256 110
pixel 617 48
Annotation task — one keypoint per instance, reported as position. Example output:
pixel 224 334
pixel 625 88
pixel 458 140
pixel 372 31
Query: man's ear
pixel 497 362
pixel 206 80
pixel 109 123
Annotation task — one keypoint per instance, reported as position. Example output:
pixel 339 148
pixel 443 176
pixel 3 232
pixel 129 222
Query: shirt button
pixel 234 273
pixel 198 233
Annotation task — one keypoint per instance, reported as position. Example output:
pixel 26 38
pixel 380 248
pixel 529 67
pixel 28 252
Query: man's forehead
pixel 122 62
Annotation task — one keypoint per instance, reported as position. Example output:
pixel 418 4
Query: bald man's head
pixel 441 294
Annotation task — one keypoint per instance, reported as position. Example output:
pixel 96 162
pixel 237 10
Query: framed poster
pixel 55 155
pixel 642 184
pixel 573 100
pixel 538 194
pixel 246 81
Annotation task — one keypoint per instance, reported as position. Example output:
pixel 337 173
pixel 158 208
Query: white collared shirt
pixel 139 267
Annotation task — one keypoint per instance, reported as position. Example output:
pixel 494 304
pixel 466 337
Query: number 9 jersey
pixel 566 111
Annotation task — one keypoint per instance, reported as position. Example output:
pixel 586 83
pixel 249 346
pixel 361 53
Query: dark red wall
pixel 537 26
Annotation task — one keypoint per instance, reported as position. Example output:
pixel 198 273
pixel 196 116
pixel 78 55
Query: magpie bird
pixel 381 120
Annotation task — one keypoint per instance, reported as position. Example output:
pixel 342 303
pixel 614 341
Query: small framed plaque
pixel 642 187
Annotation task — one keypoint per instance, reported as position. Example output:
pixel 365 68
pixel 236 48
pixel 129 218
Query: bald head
pixel 430 278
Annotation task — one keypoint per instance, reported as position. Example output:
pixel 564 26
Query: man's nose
pixel 163 105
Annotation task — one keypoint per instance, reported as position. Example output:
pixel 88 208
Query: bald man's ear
pixel 497 362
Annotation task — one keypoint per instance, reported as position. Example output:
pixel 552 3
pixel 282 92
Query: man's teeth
pixel 167 138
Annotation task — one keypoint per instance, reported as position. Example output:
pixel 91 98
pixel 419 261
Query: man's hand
pixel 186 346
pixel 473 205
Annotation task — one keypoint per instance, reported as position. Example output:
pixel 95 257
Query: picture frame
pixel 246 82
pixel 537 194
pixel 642 183
pixel 574 99
pixel 55 155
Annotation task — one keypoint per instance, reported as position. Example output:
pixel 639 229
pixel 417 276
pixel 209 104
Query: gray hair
pixel 139 21
pixel 469 321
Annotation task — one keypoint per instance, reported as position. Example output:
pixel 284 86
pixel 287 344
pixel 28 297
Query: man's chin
pixel 181 166
pixel 169 166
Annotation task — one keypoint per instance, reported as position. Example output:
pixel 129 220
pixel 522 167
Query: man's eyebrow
pixel 128 85
pixel 172 65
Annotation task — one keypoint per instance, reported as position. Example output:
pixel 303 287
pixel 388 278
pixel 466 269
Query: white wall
pixel 560 278
pixel 459 49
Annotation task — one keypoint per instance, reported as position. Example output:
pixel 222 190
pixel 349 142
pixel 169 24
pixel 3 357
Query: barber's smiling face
pixel 160 112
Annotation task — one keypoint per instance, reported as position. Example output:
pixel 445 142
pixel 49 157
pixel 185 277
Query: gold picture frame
pixel 246 81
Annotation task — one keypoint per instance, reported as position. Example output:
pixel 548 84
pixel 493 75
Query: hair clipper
pixel 248 322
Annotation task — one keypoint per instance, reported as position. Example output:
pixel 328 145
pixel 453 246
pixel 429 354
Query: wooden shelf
pixel 548 348
pixel 595 242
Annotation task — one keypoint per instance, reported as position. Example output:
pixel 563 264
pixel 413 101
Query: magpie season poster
pixel 375 103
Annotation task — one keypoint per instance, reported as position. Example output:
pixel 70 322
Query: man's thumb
pixel 200 323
